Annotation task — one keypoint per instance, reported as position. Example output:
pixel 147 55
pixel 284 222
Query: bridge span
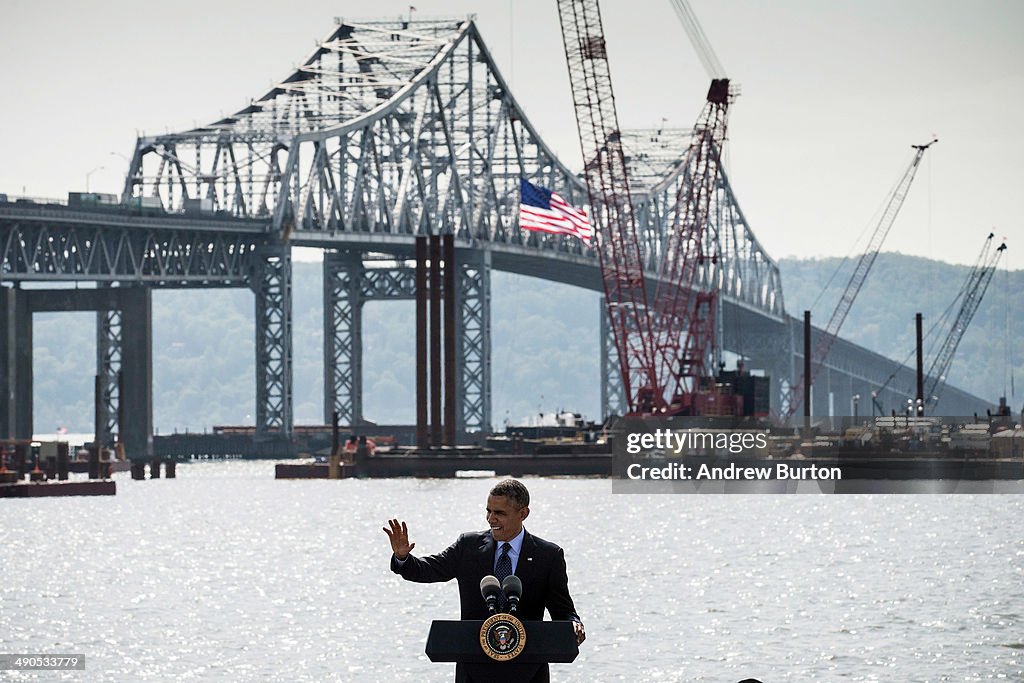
pixel 388 131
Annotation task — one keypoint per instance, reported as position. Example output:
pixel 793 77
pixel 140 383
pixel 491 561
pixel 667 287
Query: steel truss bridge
pixel 387 131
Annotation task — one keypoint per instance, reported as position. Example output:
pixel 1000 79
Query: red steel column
pixel 98 427
pixel 422 432
pixel 450 379
pixel 435 340
pixel 807 367
pixel 919 405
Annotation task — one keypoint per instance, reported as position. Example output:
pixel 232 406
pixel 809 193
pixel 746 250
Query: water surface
pixel 225 574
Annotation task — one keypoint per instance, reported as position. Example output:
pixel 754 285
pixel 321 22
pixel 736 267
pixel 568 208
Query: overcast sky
pixel 833 95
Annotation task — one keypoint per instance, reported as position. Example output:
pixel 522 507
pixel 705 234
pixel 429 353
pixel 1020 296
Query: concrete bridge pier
pixel 15 364
pixel 126 355
pixel 136 401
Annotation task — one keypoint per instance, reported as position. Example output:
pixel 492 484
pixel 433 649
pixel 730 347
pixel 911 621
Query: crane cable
pixel 854 249
pixel 927 335
pixel 700 41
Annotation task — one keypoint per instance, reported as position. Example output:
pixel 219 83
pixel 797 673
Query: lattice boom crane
pixel 973 292
pixel 662 342
pixel 618 244
pixel 678 303
pixel 860 273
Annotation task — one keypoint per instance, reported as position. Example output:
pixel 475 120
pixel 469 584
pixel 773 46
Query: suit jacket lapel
pixel 525 565
pixel 485 554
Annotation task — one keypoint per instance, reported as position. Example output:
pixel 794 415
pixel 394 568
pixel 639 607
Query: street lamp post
pixel 89 174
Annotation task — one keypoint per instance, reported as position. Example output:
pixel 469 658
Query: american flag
pixel 542 210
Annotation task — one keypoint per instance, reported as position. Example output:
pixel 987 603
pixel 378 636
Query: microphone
pixel 489 589
pixel 513 589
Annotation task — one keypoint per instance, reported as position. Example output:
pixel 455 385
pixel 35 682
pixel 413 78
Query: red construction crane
pixel 663 341
pixel 618 244
pixel 860 273
pixel 678 304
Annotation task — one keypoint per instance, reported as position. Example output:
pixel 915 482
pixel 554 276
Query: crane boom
pixel 618 243
pixel 971 283
pixel 685 317
pixel 677 301
pixel 662 342
pixel 860 273
pixel 974 290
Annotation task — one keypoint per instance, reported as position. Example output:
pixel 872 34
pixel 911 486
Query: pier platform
pixel 50 489
pixel 452 462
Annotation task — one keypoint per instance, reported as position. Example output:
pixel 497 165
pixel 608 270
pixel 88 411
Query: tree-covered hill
pixel 882 317
pixel 545 348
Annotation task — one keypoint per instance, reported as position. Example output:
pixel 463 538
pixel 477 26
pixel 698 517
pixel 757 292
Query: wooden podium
pixel 459 641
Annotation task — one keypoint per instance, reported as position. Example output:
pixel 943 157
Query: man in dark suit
pixel 505 548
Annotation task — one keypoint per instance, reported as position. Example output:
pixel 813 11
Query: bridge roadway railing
pixel 51 242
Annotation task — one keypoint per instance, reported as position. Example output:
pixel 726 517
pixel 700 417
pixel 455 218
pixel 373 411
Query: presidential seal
pixel 502 637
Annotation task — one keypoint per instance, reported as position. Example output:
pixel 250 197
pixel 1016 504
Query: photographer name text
pixel 677 471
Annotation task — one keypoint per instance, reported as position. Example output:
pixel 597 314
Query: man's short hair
pixel 513 490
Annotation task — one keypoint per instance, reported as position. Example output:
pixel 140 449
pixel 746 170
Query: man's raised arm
pixel 440 567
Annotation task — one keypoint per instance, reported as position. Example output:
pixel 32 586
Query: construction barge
pixel 548 452
pixel 885 448
pixel 53 489
pixel 853 466
pixel 40 469
pixel 454 462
